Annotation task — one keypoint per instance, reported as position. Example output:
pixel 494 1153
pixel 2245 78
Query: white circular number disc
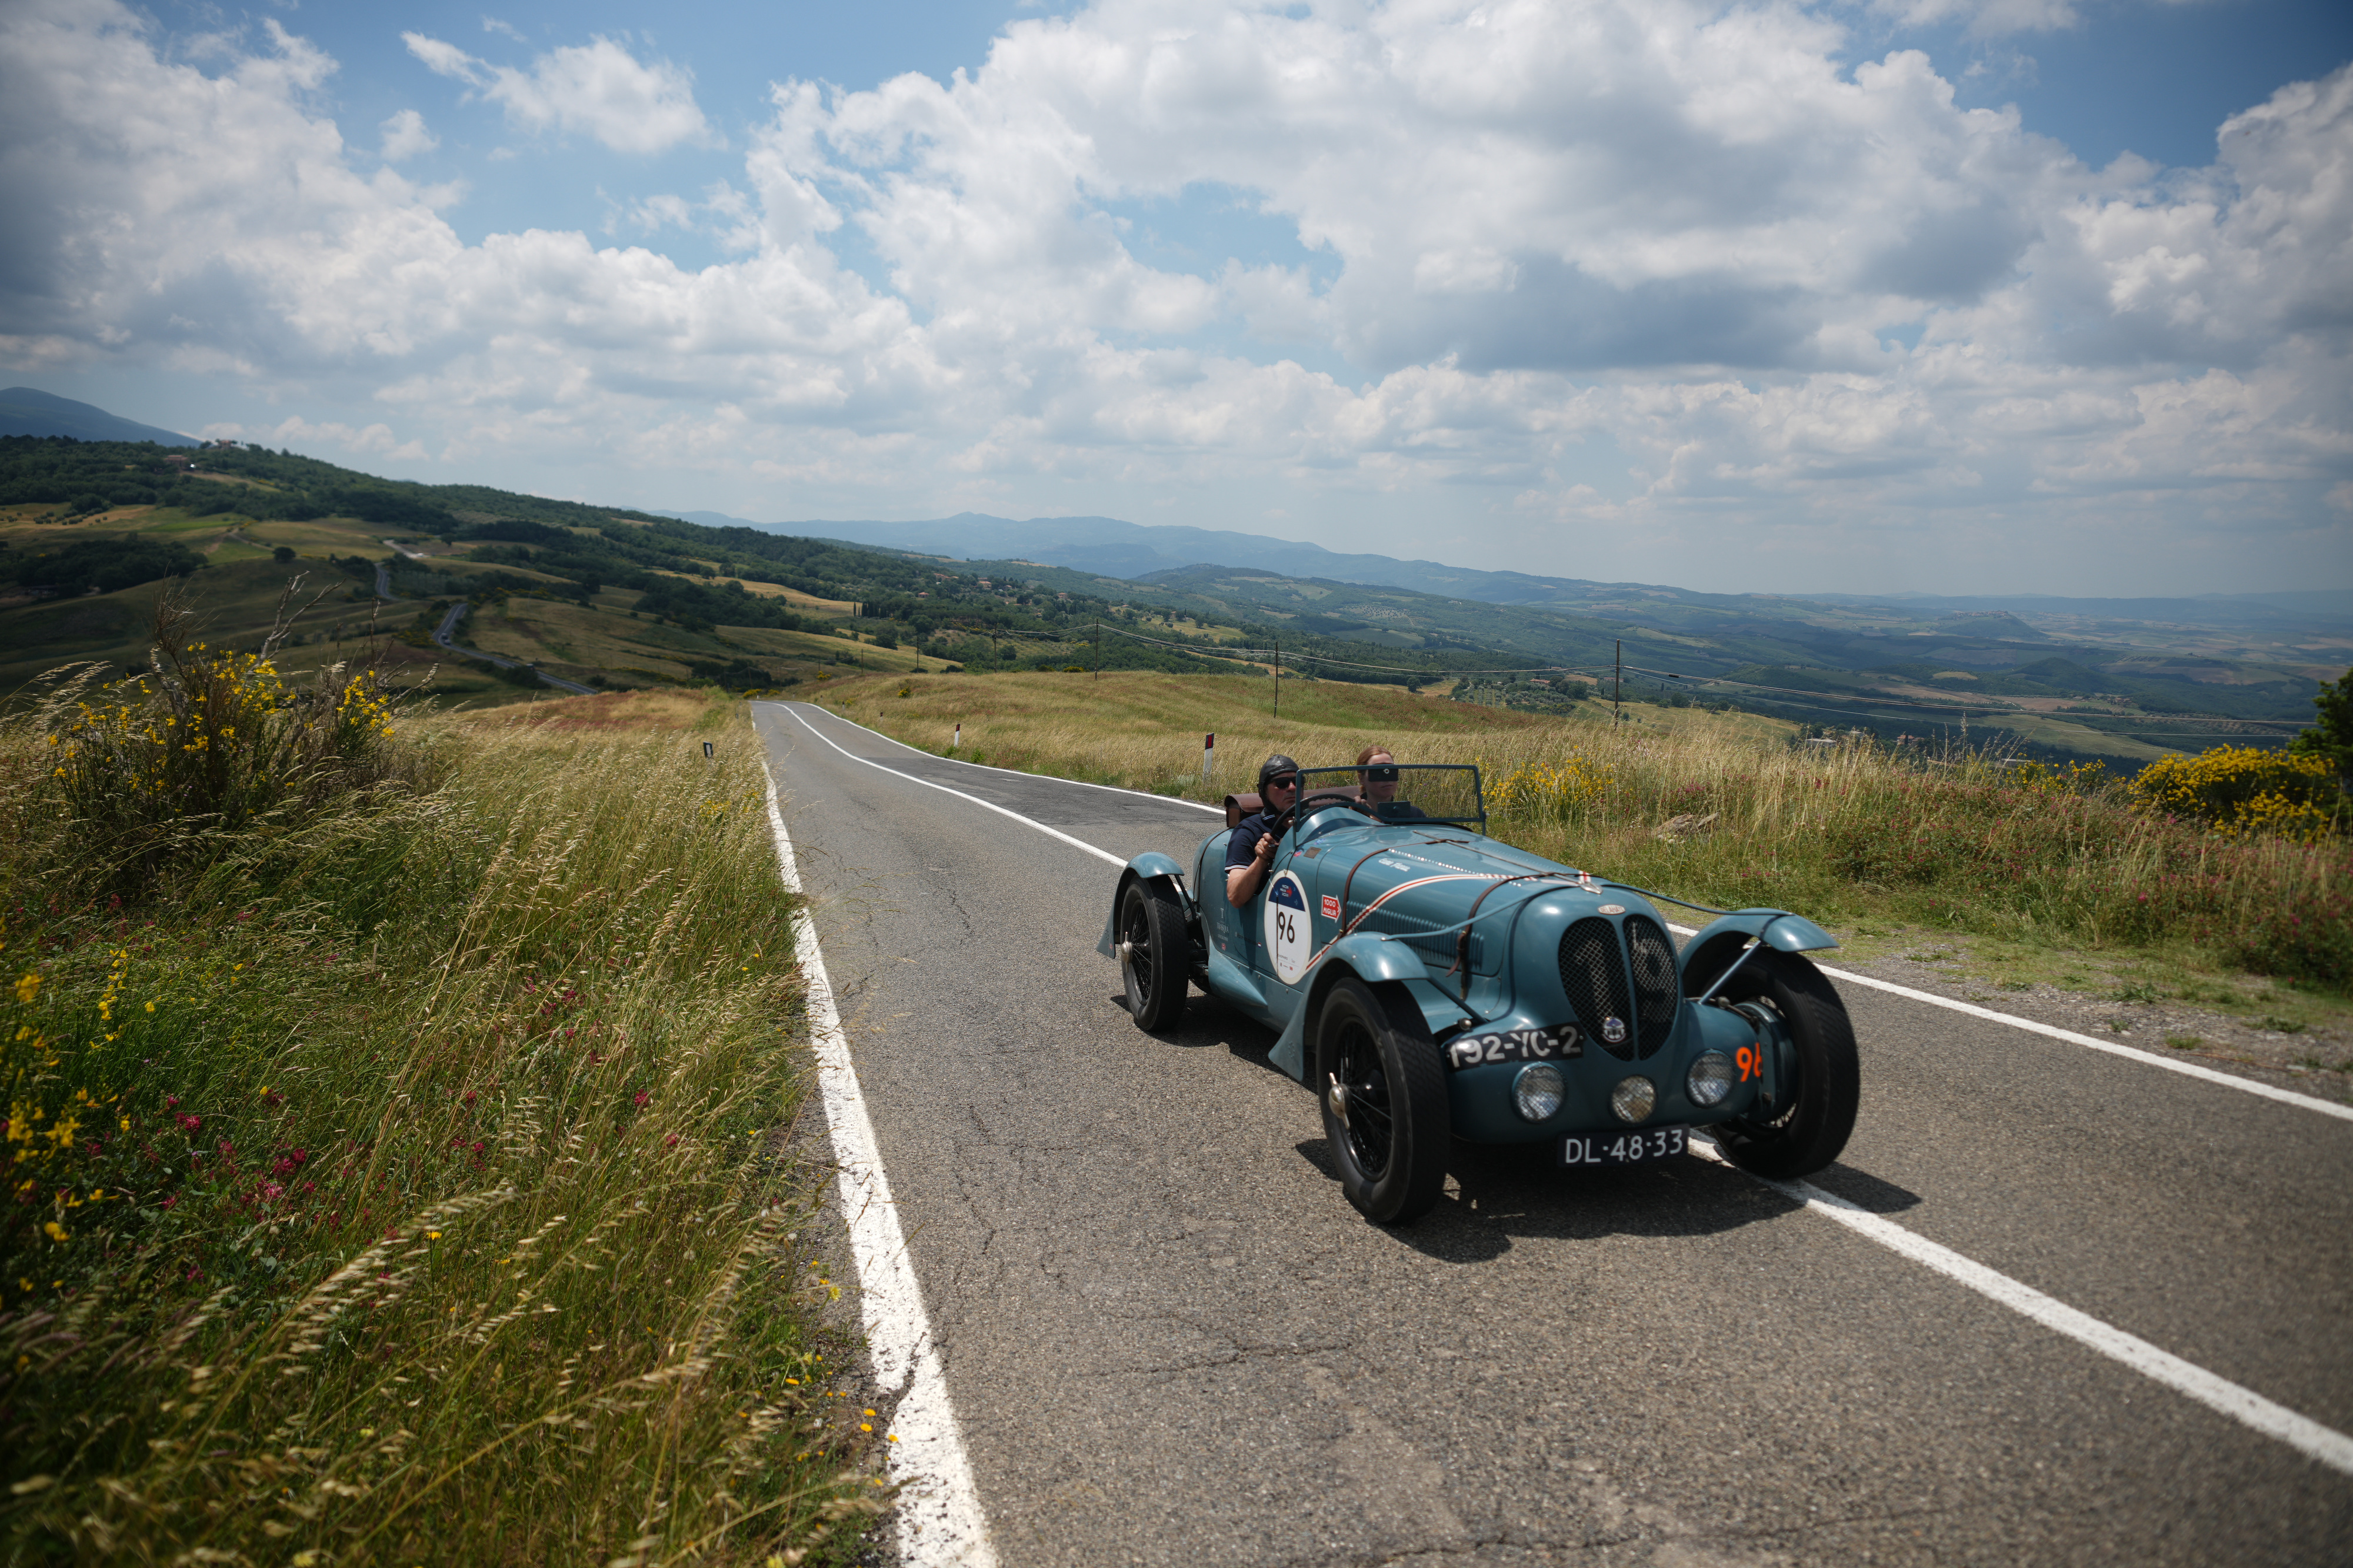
pixel 1287 927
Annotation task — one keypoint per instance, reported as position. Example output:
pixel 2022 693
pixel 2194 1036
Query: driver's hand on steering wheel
pixel 1266 847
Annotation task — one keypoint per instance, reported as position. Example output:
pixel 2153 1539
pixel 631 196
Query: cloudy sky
pixel 1941 295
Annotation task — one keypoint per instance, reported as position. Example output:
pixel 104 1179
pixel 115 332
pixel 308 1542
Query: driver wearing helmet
pixel 1249 848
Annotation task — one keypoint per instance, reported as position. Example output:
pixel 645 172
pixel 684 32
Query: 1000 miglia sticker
pixel 1287 927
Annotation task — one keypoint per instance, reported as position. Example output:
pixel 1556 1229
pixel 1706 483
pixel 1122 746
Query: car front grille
pixel 1593 973
pixel 1594 976
pixel 1657 989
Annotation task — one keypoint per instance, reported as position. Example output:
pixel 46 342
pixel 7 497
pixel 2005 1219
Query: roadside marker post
pixel 708 752
pixel 1209 753
pixel 958 744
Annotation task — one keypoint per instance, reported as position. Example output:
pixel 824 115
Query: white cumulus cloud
pixel 1611 288
pixel 406 136
pixel 598 89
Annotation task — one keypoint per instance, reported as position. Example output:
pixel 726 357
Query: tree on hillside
pixel 2332 737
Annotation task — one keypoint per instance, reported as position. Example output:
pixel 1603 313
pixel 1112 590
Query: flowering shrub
pixel 2244 791
pixel 2057 778
pixel 2309 941
pixel 335 1231
pixel 212 741
pixel 1554 791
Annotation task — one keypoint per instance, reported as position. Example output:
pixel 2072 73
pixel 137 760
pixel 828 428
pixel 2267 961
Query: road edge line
pixel 1100 854
pixel 1017 772
pixel 2309 1437
pixel 941 1523
pixel 2132 1053
pixel 2114 1047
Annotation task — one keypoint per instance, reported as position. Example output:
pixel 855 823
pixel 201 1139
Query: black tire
pixel 1155 956
pixel 1391 1143
pixel 1810 1127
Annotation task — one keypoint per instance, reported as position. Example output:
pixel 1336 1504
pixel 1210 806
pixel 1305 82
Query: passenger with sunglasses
pixel 1376 772
pixel 1249 848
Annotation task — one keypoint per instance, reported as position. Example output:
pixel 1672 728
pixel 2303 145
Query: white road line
pixel 2307 1436
pixel 2113 1048
pixel 1017 772
pixel 2150 1059
pixel 2188 1069
pixel 940 1521
pixel 987 804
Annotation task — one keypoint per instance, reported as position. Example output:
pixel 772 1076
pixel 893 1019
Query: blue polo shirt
pixel 1241 844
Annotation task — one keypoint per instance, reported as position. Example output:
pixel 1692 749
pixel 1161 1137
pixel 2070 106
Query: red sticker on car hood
pixel 1331 907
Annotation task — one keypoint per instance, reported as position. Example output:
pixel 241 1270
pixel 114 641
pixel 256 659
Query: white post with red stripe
pixel 957 744
pixel 1208 755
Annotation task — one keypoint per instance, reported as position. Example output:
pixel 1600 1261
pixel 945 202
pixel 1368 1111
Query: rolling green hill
pixel 93 532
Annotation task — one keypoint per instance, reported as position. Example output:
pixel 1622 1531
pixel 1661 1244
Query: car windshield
pixel 1402 793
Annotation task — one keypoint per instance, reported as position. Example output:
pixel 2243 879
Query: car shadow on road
pixel 1497 1195
pixel 1864 1190
pixel 1208 1024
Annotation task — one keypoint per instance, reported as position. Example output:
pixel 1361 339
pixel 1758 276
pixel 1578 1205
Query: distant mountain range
pixel 1136 552
pixel 28 411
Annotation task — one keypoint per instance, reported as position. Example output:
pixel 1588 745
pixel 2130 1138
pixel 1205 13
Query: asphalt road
pixel 1170 1340
pixel 443 633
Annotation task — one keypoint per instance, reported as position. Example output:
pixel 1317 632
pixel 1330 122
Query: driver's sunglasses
pixel 1385 773
pixel 1288 781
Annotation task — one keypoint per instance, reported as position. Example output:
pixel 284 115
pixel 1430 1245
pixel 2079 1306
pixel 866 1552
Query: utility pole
pixel 1099 648
pixel 1617 685
pixel 1278 679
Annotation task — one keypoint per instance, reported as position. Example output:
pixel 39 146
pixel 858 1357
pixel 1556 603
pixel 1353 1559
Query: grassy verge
pixel 409 1180
pixel 2056 875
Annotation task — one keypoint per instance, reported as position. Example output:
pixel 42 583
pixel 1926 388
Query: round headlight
pixel 1634 1098
pixel 1710 1079
pixel 1538 1090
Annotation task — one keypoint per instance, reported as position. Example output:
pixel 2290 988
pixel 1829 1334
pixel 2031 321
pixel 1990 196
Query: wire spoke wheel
pixel 1809 1125
pixel 1152 948
pixel 1385 1114
pixel 1370 1129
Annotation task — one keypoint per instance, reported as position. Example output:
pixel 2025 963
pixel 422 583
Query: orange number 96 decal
pixel 1752 1062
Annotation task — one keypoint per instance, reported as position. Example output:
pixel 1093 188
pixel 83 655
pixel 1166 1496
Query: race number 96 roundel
pixel 1287 927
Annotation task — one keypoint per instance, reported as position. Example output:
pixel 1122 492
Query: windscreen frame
pixel 1349 780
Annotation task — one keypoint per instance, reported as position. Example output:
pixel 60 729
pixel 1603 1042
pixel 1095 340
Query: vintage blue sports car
pixel 1431 983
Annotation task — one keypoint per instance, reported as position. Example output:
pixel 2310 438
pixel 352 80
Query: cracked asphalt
pixel 1170 1341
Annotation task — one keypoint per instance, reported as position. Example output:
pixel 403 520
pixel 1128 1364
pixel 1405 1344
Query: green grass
pixel 413 1181
pixel 1859 837
pixel 578 641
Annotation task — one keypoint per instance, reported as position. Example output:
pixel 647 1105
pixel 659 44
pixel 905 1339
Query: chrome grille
pixel 1657 991
pixel 1594 976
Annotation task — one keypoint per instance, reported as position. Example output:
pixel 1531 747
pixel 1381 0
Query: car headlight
pixel 1538 1090
pixel 1710 1078
pixel 1634 1098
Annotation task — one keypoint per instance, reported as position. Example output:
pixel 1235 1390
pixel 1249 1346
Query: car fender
pixel 1374 962
pixel 1708 957
pixel 1151 863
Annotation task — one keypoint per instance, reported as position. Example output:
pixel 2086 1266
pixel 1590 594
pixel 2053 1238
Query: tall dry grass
pixel 411 1185
pixel 1962 841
